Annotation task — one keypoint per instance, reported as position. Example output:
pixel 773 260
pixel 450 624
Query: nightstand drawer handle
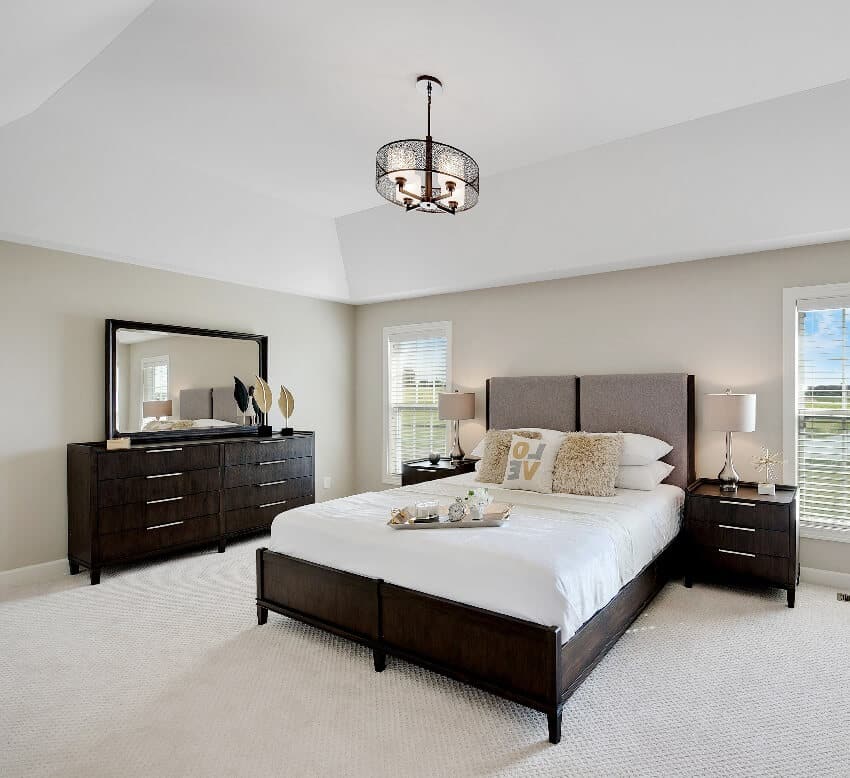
pixel 161 450
pixel 736 553
pixel 164 475
pixel 161 526
pixel 735 502
pixel 272 483
pixel 740 529
pixel 167 499
pixel 269 504
pixel 424 470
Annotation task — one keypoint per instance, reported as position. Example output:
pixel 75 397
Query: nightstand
pixel 742 534
pixel 422 470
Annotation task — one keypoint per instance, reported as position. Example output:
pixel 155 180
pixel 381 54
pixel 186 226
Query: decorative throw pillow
pixel 531 462
pixel 495 459
pixel 588 463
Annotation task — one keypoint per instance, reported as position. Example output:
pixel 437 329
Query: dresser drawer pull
pixel 263 442
pixel 273 483
pixel 735 502
pixel 164 475
pixel 161 450
pixel 160 526
pixel 736 553
pixel 167 499
pixel 269 504
pixel 273 462
pixel 740 529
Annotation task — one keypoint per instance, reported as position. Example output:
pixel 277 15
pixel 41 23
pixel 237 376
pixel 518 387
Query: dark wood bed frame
pixel 516 659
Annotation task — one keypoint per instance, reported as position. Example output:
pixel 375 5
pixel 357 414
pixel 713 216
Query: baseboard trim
pixel 33 574
pixel 825 577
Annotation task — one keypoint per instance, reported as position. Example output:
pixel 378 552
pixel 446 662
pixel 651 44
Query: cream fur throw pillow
pixel 495 459
pixel 588 463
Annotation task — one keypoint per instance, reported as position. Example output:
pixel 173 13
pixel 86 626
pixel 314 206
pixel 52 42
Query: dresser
pixel 422 470
pixel 743 535
pixel 159 498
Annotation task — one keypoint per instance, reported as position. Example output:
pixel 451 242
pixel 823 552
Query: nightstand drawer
pixel 727 560
pixel 739 538
pixel 739 513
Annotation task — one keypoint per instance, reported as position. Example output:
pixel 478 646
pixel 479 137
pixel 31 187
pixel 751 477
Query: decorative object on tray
pixel 286 403
pixel 728 412
pixel 767 463
pixel 477 501
pixel 263 399
pixel 457 510
pixel 434 457
pixel 456 406
pixel 491 515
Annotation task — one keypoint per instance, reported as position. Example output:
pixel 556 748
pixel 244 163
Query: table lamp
pixel 455 406
pixel 156 408
pixel 728 412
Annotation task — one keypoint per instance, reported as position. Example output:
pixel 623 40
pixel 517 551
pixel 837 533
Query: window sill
pixel 824 533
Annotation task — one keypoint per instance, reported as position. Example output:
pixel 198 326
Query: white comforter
pixel 559 560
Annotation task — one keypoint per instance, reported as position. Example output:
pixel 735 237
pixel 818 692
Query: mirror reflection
pixel 166 381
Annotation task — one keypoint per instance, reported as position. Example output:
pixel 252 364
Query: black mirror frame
pixel 112 327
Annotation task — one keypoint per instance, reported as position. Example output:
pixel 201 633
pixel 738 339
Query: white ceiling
pixel 224 139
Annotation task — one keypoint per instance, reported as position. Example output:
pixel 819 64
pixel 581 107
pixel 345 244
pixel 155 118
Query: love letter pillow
pixel 531 462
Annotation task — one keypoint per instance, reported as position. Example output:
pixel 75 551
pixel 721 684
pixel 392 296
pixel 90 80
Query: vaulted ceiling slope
pixel 236 140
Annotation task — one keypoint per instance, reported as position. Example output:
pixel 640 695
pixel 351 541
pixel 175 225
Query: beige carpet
pixel 162 670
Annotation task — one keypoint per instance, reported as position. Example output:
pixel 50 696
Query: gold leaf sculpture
pixel 263 395
pixel 286 403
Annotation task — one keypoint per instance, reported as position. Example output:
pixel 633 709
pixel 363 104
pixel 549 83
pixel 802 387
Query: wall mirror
pixel 166 381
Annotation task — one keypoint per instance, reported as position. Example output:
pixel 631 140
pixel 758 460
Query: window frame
pixel 406 329
pixel 791 299
pixel 147 362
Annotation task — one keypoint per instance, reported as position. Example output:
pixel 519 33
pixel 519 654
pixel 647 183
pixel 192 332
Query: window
pixel 417 367
pixel 154 380
pixel 818 439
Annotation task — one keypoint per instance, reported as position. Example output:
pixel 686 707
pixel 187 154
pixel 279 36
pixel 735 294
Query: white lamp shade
pixel 156 408
pixel 457 405
pixel 729 412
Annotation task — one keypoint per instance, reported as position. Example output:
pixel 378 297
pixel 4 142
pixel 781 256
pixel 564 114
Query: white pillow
pixel 642 477
pixel 642 450
pixel 531 463
pixel 478 451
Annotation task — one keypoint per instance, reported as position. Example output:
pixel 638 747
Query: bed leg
pixel 380 659
pixel 555 726
pixel 262 615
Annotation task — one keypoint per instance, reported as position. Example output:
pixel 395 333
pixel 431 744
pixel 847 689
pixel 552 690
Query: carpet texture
pixel 162 670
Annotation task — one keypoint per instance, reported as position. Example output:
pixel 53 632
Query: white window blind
pixel 823 412
pixel 154 378
pixel 417 367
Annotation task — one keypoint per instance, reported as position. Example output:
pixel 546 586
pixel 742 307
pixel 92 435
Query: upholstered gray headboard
pixel 196 404
pixel 548 402
pixel 656 404
pixel 224 405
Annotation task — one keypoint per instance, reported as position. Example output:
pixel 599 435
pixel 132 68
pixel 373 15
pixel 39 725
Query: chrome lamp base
pixel 457 452
pixel 728 476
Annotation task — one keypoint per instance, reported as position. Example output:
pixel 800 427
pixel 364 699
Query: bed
pixel 524 611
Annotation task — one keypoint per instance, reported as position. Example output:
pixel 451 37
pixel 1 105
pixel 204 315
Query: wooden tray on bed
pixel 446 524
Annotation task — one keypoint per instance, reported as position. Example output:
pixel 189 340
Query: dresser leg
pixel 792 592
pixel 689 581
pixel 94 576
pixel 554 720
pixel 73 566
pixel 380 659
pixel 262 615
pixel 222 545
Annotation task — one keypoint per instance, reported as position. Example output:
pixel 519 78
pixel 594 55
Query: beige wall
pixel 719 319
pixel 52 307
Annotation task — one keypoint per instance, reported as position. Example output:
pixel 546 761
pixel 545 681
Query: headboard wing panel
pixel 224 406
pixel 195 404
pixel 548 402
pixel 656 404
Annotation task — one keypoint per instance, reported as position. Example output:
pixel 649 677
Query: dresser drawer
pixel 740 513
pixel 252 451
pixel 260 494
pixel 736 538
pixel 246 519
pixel 737 563
pixel 118 491
pixel 267 472
pixel 122 545
pixel 119 518
pixel 156 461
